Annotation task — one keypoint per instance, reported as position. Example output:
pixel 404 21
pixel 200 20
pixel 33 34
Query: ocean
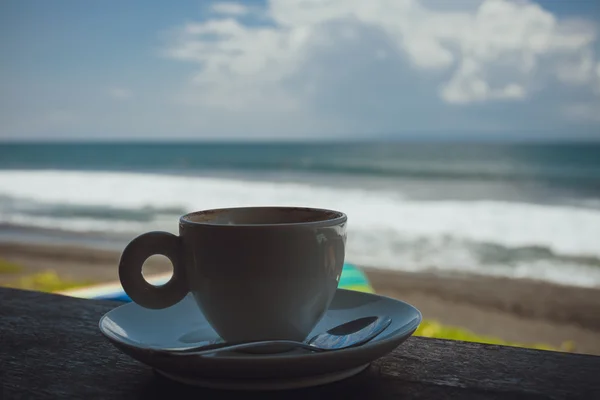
pixel 520 210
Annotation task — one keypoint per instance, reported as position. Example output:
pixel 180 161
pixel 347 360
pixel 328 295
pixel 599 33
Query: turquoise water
pixel 567 164
pixel 518 210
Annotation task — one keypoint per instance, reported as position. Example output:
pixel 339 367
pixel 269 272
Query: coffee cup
pixel 256 273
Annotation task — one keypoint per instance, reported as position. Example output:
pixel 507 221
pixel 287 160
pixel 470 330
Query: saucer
pixel 140 332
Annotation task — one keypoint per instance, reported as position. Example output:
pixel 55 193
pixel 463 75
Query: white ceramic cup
pixel 257 273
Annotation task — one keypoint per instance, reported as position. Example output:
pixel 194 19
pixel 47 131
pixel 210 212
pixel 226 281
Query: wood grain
pixel 51 348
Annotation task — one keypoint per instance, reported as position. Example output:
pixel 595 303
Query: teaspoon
pixel 349 334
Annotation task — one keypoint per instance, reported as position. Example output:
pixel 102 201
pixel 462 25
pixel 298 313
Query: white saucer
pixel 139 332
pixel 266 384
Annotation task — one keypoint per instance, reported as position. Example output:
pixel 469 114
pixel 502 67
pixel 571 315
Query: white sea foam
pixel 385 228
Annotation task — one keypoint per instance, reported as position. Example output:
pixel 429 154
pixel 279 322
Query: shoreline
pixel 525 298
pixel 522 310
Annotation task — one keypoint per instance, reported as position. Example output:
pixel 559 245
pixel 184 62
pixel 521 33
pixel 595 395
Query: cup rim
pixel 339 218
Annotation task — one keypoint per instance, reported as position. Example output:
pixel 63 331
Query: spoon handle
pixel 211 349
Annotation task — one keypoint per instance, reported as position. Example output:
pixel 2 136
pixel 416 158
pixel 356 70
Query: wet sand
pixel 515 310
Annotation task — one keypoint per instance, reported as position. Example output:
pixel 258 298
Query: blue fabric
pixel 352 278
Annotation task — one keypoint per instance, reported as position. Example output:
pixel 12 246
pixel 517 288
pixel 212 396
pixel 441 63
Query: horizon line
pixel 315 140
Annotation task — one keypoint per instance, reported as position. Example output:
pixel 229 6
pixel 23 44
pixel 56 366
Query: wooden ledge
pixel 50 347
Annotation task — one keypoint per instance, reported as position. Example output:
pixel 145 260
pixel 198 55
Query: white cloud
pixel 313 56
pixel 120 93
pixel 504 45
pixel 230 8
pixel 577 70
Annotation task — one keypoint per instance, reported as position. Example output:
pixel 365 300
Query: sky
pixel 307 69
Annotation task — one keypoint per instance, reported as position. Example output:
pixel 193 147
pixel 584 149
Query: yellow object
pixel 47 281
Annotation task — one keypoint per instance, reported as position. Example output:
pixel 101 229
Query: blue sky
pixel 299 69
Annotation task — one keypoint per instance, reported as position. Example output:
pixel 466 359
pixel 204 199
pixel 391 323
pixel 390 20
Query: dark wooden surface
pixel 51 348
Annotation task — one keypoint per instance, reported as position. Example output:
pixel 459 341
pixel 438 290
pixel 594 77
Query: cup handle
pixel 130 270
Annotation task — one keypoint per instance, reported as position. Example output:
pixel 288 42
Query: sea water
pixel 517 210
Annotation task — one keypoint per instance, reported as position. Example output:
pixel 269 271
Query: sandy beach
pixel 515 310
